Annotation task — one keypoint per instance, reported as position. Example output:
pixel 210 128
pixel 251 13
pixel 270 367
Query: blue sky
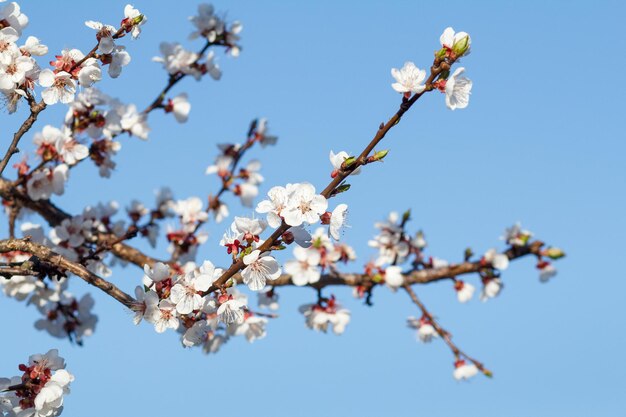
pixel 542 142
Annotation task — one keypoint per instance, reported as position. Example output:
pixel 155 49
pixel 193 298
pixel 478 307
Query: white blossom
pixel 337 160
pixel 304 269
pixel 338 220
pixel 164 316
pixel 458 90
pixel 33 46
pixel 491 288
pixel 136 18
pixel 393 277
pixel 304 206
pixel 180 107
pixel 499 261
pixel 185 293
pixel 409 79
pixel 260 267
pixel 277 202
pixel 449 38
pixel 60 87
pixel 231 311
pixel 464 291
pixel 463 370
pixel 426 332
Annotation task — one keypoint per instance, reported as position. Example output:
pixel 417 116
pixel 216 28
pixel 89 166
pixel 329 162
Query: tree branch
pixel 45 254
pixel 35 109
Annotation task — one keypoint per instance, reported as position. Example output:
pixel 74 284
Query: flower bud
pixel 554 253
pixel 340 189
pixel 138 19
pixel 406 216
pixel 462 44
pixel 348 162
pixel 378 156
pixel 288 237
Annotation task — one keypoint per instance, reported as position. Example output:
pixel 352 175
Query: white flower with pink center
pixel 59 87
pixel 260 267
pixel 231 310
pixel 164 316
pixel 277 202
pixel 409 79
pixel 304 206
pixel 69 148
pixel 186 292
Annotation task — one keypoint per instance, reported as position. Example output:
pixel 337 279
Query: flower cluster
pixel 215 30
pixel 410 79
pixel 72 66
pixel 243 240
pixel 18 69
pixel 63 315
pixel 324 313
pixel 40 390
pixel 295 204
pixel 244 183
pixel 322 255
pixel 177 300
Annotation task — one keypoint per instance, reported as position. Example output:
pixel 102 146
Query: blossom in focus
pixel 457 42
pixel 304 206
pixel 260 267
pixel 59 87
pixel 409 79
pixel 458 90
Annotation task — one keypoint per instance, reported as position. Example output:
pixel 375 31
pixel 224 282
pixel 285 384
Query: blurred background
pixel 541 142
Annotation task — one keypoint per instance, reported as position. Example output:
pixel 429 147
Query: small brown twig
pixel 444 334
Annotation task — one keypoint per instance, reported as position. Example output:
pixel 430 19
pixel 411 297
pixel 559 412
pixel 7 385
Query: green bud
pixel 347 162
pixel 406 216
pixel 461 46
pixel 440 53
pixel 341 189
pixel 468 254
pixel 138 19
pixel 554 253
pixel 488 373
pixel 378 156
pixel 377 278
